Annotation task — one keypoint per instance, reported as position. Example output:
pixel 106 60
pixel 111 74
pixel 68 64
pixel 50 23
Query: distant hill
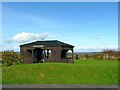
pixel 82 53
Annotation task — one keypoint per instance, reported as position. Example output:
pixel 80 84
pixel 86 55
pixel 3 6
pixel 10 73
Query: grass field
pixel 87 72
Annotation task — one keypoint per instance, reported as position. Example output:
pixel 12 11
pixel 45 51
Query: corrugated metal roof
pixel 48 43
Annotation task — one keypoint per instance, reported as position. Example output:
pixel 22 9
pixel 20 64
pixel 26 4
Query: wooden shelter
pixel 47 51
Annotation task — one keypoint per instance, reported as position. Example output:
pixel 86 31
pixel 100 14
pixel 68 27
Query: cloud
pixel 9 47
pixel 27 36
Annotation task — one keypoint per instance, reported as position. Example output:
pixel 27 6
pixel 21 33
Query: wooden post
pixel 32 55
pixel 43 55
pixel 72 56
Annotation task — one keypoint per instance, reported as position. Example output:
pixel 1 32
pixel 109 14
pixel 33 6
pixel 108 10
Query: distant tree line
pixel 107 54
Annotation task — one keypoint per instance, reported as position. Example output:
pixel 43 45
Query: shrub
pixel 110 54
pixel 10 57
pixel 106 54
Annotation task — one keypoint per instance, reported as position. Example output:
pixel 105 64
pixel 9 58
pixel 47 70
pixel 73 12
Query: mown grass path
pixel 87 72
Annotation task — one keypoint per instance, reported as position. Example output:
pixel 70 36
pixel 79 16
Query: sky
pixel 89 26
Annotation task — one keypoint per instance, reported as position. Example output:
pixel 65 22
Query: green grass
pixel 90 72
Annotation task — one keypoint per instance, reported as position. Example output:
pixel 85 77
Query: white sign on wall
pixel 38 45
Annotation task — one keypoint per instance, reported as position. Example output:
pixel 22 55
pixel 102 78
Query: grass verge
pixel 87 72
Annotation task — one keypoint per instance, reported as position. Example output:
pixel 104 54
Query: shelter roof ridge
pixel 48 42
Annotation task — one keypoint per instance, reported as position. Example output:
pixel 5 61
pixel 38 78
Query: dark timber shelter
pixel 47 51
